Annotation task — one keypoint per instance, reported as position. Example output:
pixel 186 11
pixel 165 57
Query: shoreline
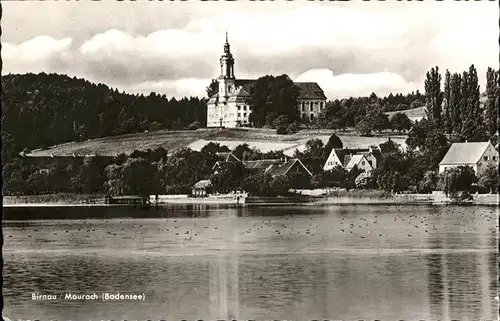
pixel 34 201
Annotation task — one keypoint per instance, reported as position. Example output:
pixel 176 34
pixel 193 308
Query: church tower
pixel 226 78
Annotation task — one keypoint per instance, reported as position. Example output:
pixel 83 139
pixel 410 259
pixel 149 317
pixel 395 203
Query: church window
pixel 303 116
pixel 321 106
pixel 239 114
pixel 303 106
pixel 311 106
pixel 312 116
pixel 244 107
pixel 244 114
pixel 239 107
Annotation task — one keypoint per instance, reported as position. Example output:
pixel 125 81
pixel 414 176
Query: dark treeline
pixel 46 109
pixel 145 173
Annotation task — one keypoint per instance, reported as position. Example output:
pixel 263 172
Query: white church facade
pixel 229 108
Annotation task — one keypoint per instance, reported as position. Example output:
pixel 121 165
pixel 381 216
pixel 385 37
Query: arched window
pixel 311 106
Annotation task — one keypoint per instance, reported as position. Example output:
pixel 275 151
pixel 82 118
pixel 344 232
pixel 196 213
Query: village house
pixel 366 159
pixel 224 157
pixel 229 107
pixel 477 155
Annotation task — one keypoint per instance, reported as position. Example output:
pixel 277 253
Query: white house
pixel 360 161
pixel 476 155
pixel 371 155
pixel 228 107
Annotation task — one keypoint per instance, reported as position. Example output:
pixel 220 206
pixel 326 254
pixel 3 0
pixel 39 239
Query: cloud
pixel 348 85
pixel 35 55
pixel 349 48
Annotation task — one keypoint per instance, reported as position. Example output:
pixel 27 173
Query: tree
pixel 271 97
pixel 401 122
pixel 389 147
pixel 435 146
pixel 258 184
pixel 447 108
pixel 455 102
pixel 364 127
pixel 314 149
pixel 281 124
pixel 280 185
pixel 213 88
pixel 381 120
pixel 428 182
pixel 433 95
pixel 392 181
pixel 488 179
pixel 333 142
pixel 492 103
pixel 473 128
pixel 457 179
pixel 228 177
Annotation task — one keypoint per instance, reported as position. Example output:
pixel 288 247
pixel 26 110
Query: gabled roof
pixel 261 163
pixel 310 90
pixel 284 168
pixel 355 160
pixel 203 184
pixel 464 153
pixel 227 157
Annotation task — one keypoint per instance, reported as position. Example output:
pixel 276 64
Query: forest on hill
pixel 46 109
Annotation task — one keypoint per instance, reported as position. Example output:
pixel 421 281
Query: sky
pixel 173 48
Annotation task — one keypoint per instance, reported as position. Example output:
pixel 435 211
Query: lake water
pixel 283 262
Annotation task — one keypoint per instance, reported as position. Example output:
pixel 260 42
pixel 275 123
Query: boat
pixel 236 198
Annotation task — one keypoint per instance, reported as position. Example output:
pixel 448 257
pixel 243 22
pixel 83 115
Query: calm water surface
pixel 287 262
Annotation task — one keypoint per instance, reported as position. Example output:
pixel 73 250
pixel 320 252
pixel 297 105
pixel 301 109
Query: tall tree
pixel 492 93
pixel 433 95
pixel 455 102
pixel 447 108
pixel 271 97
pixel 473 127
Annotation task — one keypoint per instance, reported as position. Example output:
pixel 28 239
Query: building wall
pixel 235 114
pixel 332 162
pixel 310 108
pixel 364 165
pixel 490 157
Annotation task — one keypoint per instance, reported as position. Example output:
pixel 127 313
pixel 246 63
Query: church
pixel 228 108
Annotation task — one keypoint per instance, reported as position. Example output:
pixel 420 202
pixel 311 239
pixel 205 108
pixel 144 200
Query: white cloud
pixel 352 85
pixel 174 88
pixel 349 48
pixel 35 55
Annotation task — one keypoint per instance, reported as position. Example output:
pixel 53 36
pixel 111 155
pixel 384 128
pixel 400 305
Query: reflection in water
pixel 256 263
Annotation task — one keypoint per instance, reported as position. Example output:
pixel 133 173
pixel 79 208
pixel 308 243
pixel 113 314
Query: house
pixel 372 156
pixel 477 155
pixel 229 107
pixel 224 157
pixel 261 164
pixel 360 161
pixel 201 188
pixel 288 167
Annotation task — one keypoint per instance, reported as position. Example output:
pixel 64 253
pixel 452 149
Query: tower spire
pixel 227 41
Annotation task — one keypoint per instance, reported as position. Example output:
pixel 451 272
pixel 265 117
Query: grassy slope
pixel 263 139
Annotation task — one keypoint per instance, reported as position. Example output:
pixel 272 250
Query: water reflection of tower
pixel 223 282
pixel 438 296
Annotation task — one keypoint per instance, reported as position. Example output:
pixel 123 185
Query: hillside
pixel 262 139
pixel 48 109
